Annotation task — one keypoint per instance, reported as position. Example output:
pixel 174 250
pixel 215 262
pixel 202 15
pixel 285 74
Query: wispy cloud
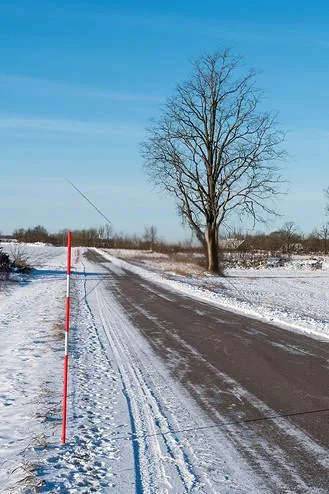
pixel 37 85
pixel 67 126
pixel 223 28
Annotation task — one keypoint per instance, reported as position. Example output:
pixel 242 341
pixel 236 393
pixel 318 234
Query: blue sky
pixel 80 80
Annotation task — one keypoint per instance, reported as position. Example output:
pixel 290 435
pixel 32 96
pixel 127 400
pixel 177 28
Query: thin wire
pixel 89 201
pixel 134 437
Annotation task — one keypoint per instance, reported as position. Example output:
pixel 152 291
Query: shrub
pixel 4 265
pixel 21 266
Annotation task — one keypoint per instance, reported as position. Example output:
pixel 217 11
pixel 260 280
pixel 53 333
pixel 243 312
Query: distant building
pixel 230 244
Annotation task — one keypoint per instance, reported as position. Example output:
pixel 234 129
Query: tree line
pixel 286 240
pixel 102 236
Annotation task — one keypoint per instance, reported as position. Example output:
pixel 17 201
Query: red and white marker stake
pixel 67 327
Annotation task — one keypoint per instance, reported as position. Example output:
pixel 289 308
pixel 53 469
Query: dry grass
pixel 58 330
pixel 180 263
pixel 29 483
pixel 48 414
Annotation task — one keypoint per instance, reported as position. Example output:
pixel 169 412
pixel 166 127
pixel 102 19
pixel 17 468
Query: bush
pixel 12 263
pixel 20 266
pixel 4 265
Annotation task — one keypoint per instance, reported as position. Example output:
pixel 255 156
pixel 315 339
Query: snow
pixel 293 296
pixel 131 427
pixel 28 356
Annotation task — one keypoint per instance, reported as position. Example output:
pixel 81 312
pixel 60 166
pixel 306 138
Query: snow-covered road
pixel 265 387
pixel 132 428
pixel 141 427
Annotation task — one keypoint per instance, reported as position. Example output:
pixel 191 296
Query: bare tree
pixel 214 150
pixel 150 236
pixel 290 236
pixel 108 232
pixel 104 233
pixel 17 253
pixel 324 235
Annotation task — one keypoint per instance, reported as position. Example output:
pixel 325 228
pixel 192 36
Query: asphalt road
pixel 266 388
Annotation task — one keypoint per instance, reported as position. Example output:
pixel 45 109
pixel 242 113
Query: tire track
pixel 148 418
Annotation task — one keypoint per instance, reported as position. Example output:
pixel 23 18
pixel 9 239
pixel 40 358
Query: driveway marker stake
pixel 67 327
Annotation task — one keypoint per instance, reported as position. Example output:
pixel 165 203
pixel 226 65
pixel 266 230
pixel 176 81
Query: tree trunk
pixel 212 250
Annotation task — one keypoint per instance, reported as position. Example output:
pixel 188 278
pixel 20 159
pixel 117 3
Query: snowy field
pixel 294 296
pixel 131 428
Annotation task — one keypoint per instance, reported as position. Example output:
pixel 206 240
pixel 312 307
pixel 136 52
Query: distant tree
pixel 62 236
pixel 324 236
pixel 19 234
pixel 35 234
pixel 150 236
pixel 105 234
pixel 312 241
pixel 108 232
pixel 290 236
pixel 271 242
pixel 39 234
pixel 215 150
